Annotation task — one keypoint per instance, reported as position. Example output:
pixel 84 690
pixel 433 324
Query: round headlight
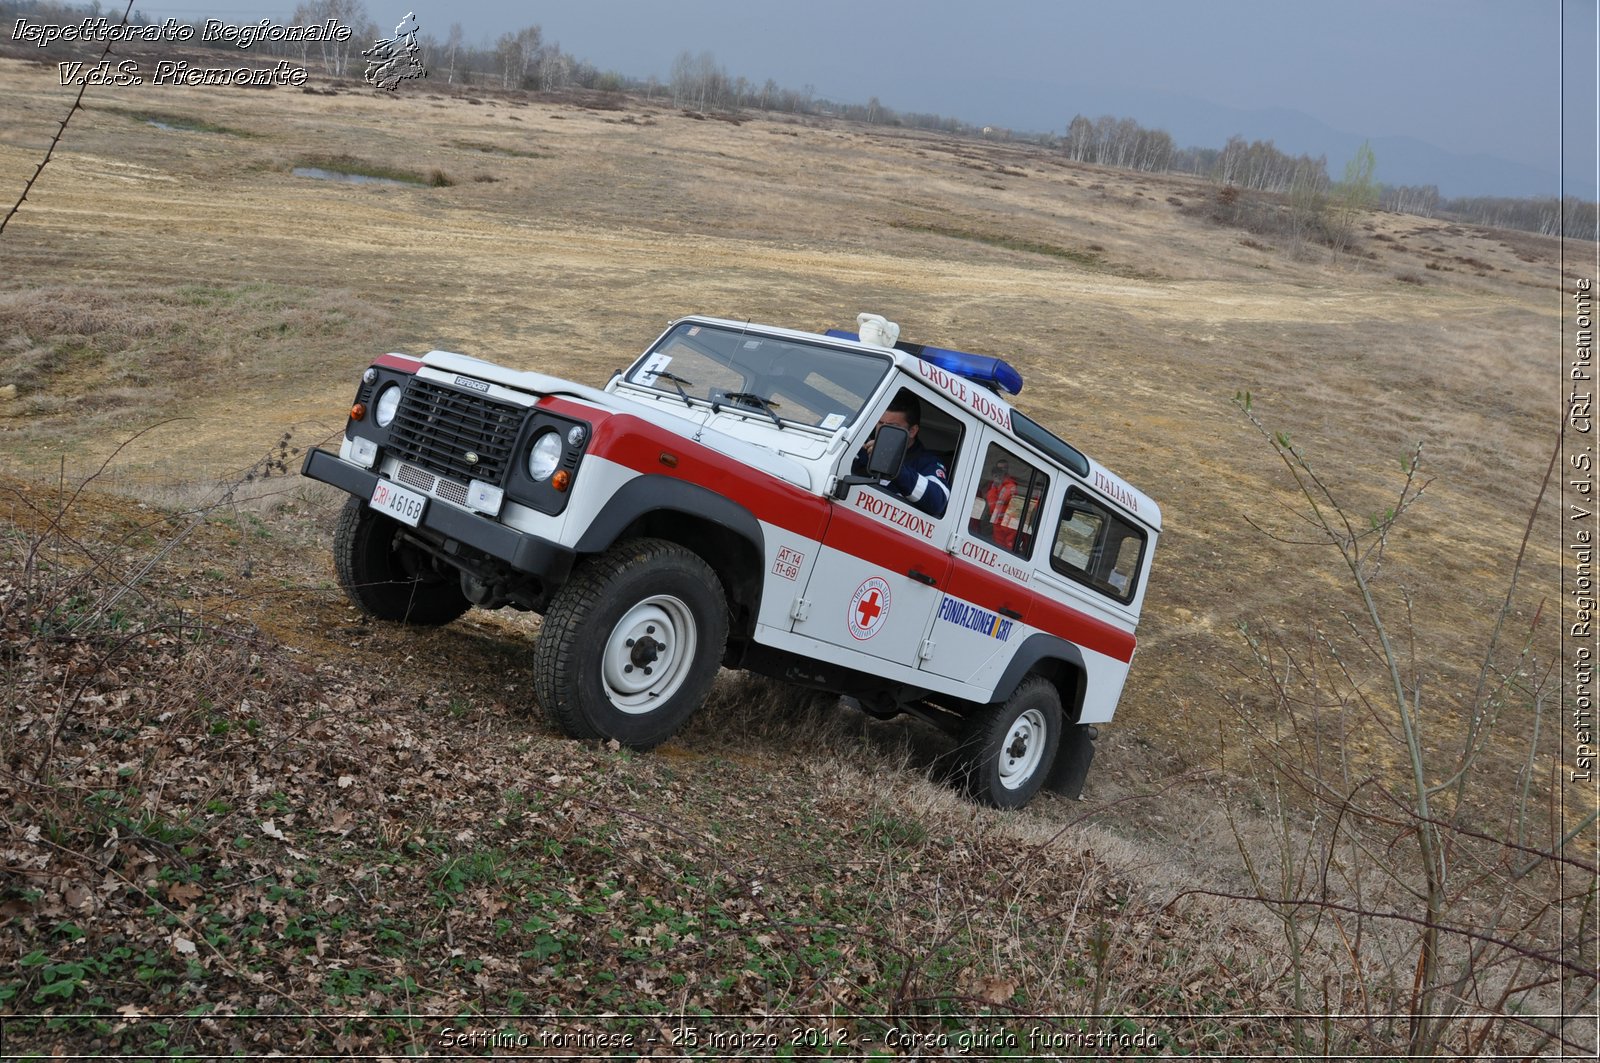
pixel 544 456
pixel 388 402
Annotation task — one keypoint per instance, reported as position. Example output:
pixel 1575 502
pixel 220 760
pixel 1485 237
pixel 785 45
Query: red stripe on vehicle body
pixel 885 546
pixel 991 591
pixel 637 444
pixel 891 549
pixel 975 584
pixel 398 361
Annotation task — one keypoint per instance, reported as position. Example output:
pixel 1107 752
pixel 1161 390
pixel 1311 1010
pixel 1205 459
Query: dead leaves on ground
pixel 204 823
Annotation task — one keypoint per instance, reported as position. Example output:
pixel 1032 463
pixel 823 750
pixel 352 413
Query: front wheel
pixel 386 578
pixel 631 644
pixel 1007 749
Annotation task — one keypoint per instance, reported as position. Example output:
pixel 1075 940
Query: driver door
pixel 883 561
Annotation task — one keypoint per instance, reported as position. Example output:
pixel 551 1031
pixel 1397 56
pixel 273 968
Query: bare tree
pixel 712 78
pixel 352 15
pixel 1422 200
pixel 452 45
pixel 682 80
pixel 1154 151
pixel 305 14
pixel 1080 138
pixel 529 41
pixel 507 57
pixel 556 68
pixel 698 82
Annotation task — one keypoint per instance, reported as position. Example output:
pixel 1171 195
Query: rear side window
pixel 1009 499
pixel 1093 545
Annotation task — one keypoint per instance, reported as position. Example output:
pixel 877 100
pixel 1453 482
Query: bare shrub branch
pixel 77 104
pixel 1383 834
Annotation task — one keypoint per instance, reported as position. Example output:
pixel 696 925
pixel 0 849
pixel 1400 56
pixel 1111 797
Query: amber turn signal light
pixel 358 411
pixel 561 480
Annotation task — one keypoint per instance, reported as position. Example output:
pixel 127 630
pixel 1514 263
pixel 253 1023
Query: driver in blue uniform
pixel 923 479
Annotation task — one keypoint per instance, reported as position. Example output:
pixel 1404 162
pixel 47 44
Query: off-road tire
pixel 385 579
pixel 631 643
pixel 1007 749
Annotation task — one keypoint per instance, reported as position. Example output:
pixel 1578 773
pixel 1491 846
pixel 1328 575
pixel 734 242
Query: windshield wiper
pixel 750 398
pixel 677 382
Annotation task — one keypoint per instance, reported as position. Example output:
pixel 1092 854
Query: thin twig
pixel 77 104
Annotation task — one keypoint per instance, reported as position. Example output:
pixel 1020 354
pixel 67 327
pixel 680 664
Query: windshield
pixel 763 377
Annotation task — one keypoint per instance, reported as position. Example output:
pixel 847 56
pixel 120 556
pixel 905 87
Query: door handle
pixel 1009 612
pixel 923 577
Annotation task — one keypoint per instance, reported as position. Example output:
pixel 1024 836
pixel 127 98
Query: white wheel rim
pixel 648 654
pixel 1022 750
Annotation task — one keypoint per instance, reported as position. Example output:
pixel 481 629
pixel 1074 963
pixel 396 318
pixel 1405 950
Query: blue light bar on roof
pixel 992 373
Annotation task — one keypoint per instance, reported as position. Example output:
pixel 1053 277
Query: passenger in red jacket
pixel 997 522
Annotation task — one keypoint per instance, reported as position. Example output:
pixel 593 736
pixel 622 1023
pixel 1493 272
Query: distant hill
pixel 1401 160
pixel 1199 123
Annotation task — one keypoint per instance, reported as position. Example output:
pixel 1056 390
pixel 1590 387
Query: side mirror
pixel 889 452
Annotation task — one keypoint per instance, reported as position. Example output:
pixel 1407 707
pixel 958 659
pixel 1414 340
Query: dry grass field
pixel 179 293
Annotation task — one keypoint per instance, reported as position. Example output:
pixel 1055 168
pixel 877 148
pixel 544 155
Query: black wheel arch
pixel 1057 660
pixel 723 533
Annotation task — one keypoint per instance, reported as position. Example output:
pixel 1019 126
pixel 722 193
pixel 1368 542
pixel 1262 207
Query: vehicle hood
pixel 740 450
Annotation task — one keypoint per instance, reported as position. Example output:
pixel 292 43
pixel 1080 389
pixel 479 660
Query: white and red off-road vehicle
pixel 717 504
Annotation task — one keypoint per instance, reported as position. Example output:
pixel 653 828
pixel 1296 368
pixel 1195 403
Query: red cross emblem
pixel 868 608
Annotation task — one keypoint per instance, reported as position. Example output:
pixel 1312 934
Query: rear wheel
pixel 1007 749
pixel 631 643
pixel 386 578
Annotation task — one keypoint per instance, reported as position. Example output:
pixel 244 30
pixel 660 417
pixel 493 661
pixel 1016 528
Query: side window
pixel 941 433
pixel 1095 546
pixel 1009 499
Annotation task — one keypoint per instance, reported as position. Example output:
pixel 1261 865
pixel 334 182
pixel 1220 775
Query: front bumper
pixel 450 528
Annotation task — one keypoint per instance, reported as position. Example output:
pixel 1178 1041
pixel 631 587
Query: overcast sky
pixel 1473 77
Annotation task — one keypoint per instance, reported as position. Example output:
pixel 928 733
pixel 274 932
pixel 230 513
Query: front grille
pixel 437 427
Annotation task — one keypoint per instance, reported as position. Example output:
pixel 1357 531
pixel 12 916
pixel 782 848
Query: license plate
pixel 404 506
